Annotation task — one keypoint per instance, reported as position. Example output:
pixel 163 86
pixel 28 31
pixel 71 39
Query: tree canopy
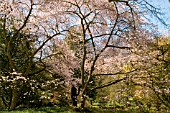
pixel 46 46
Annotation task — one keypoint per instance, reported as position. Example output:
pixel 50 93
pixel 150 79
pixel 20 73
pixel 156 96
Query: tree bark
pixel 2 106
pixel 82 101
pixel 14 99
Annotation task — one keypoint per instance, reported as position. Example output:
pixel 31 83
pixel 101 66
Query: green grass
pixel 72 110
pixel 59 110
pixel 41 110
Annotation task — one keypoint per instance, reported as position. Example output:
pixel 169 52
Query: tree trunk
pixel 14 99
pixel 2 106
pixel 82 101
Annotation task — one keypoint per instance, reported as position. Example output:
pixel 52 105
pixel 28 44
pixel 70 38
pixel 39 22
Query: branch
pixel 101 51
pixel 35 52
pixel 26 19
pixel 120 47
pixel 114 82
pixel 84 54
pixel 39 71
pixel 108 84
pixel 117 73
pixel 7 42
pixel 132 12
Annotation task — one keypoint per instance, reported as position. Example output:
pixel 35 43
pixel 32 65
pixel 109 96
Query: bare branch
pixel 35 52
pixel 119 47
pixel 109 84
pixel 26 19
pixel 117 73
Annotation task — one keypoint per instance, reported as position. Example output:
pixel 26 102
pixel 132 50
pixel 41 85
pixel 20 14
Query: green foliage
pixel 29 87
pixel 161 78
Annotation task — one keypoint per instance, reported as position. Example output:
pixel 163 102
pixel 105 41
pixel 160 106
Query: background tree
pixel 23 38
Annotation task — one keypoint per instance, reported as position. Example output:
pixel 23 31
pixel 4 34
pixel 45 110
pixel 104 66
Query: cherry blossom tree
pixel 102 33
pixel 96 37
pixel 26 31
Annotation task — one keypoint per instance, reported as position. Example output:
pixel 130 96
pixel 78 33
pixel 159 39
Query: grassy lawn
pixel 71 110
pixel 62 110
